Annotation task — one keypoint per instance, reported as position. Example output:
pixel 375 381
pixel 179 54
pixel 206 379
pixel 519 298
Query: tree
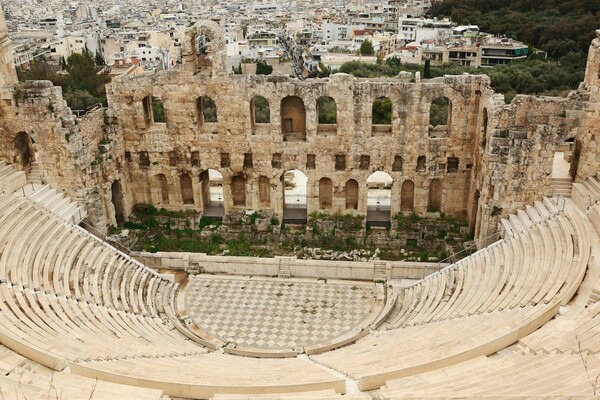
pixel 99 59
pixel 323 71
pixel 366 48
pixel 427 69
pixel 263 69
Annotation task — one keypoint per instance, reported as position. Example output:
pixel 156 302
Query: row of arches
pixel 377 193
pixel 293 114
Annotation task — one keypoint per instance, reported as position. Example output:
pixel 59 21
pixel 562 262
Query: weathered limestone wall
pixel 353 137
pixel 522 138
pixel 115 158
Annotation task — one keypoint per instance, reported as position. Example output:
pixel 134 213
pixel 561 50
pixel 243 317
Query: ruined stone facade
pixel 487 161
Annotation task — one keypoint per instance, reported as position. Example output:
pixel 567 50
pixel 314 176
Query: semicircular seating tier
pixel 68 299
pixel 478 305
pixel 77 311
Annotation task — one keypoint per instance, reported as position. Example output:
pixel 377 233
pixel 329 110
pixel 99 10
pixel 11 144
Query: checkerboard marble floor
pixel 276 313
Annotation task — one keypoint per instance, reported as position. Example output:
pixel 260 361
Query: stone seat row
pixel 586 193
pixel 11 179
pixel 39 251
pixel 516 376
pixel 530 216
pixel 204 376
pixel 477 306
pixel 385 355
pixel 319 394
pixel 21 378
pixel 55 201
pixel 63 329
pixel 559 360
pixel 533 267
pixel 67 298
pixel 572 333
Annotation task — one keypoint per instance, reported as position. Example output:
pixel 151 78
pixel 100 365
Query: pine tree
pixel 99 59
pixel 427 69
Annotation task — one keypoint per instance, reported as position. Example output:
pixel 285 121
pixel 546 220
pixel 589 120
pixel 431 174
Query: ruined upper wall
pixel 8 74
pixel 592 72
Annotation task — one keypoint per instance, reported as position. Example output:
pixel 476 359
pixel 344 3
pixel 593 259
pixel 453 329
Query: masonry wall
pixel 352 137
pixel 116 158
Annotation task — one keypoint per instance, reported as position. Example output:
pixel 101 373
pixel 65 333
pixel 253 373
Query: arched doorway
pixel 325 193
pixel 187 191
pixel 295 185
pixel 352 195
pixel 118 202
pixel 162 183
pixel 379 198
pixel 238 191
pixel 407 196
pixel 25 153
pixel 434 200
pixel 564 167
pixel 474 210
pixel 211 184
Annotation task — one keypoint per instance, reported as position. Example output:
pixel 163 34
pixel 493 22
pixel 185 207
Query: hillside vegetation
pixel 563 29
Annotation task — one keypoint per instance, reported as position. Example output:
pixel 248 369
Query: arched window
pixel 293 119
pixel 440 117
pixel 209 109
pixel 381 116
pixel 158 110
pixel 261 113
pixel 326 115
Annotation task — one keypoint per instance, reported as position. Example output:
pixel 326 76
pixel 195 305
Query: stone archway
pixel 325 193
pixel 407 196
pixel 24 150
pixel 118 202
pixel 211 185
pixel 238 191
pixel 187 191
pixel 295 187
pixel 473 223
pixel 352 195
pixel 379 198
pixel 434 201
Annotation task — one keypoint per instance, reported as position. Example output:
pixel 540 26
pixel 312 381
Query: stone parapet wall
pixel 202 263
